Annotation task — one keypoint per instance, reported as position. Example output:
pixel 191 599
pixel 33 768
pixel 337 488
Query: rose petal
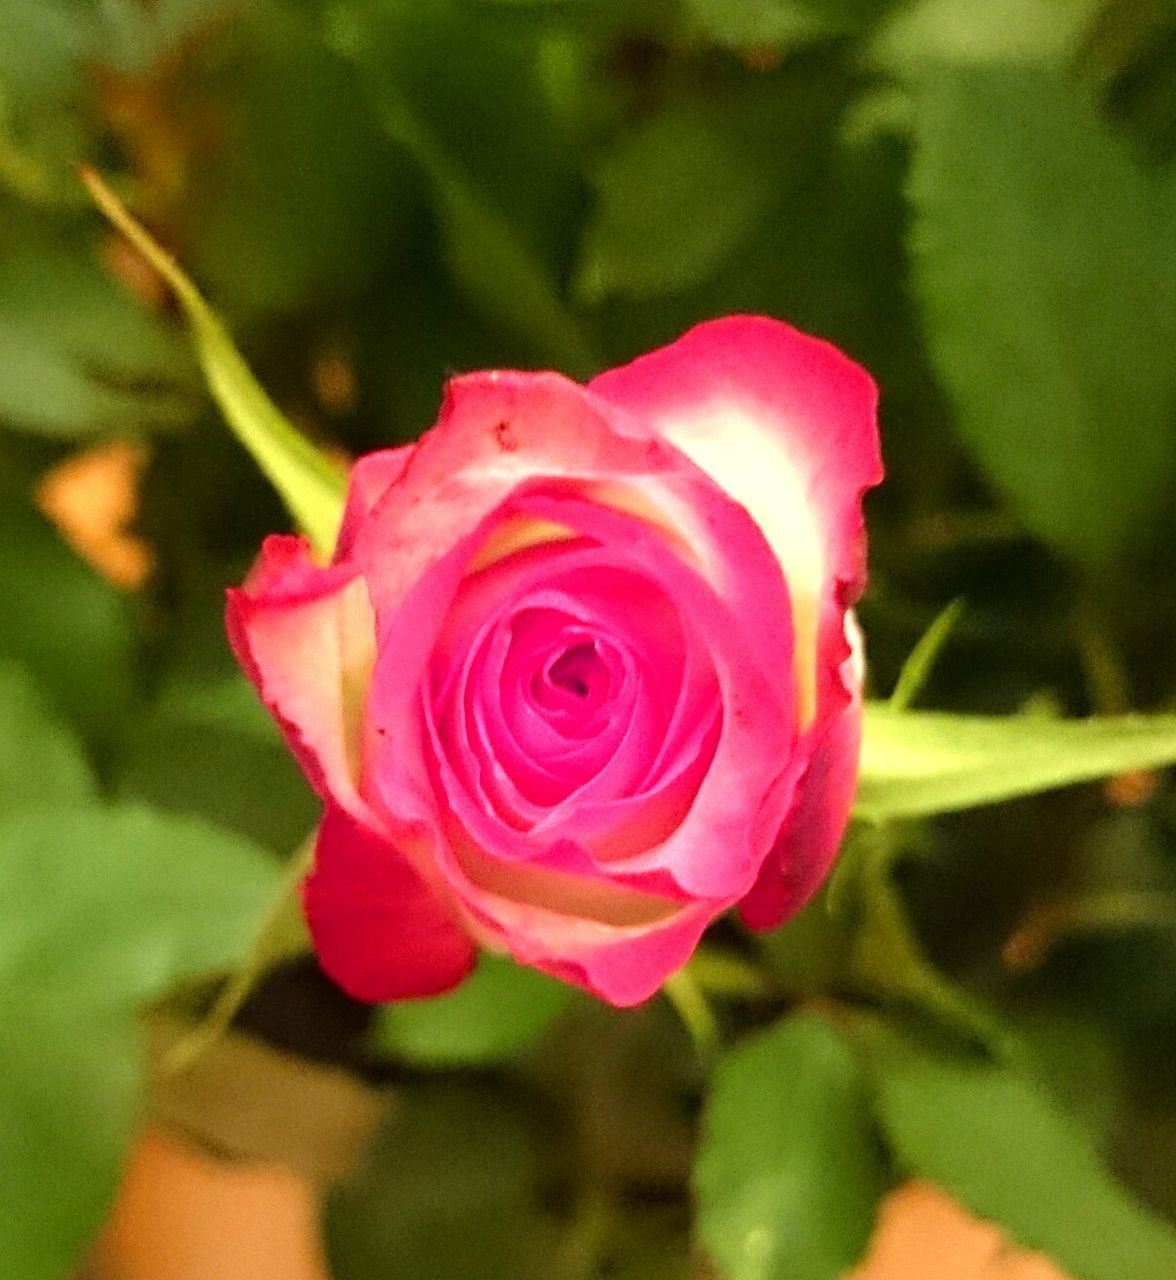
pixel 785 424
pixel 496 432
pixel 621 965
pixel 808 841
pixel 381 933
pixel 305 636
pixel 369 479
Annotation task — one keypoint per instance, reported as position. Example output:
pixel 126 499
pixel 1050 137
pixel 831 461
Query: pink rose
pixel 582 673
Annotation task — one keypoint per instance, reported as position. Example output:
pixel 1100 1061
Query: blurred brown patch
pixel 333 376
pixel 128 265
pixel 1127 790
pixel 923 1234
pixel 182 1215
pixel 92 498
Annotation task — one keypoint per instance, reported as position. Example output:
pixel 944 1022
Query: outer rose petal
pixel 808 841
pixel 367 482
pixel 306 638
pixel 785 423
pixel 380 931
pixel 623 965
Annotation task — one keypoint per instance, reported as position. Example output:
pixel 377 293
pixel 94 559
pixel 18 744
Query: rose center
pixel 580 671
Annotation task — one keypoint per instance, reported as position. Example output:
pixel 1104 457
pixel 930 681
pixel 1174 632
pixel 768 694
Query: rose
pixel 582 673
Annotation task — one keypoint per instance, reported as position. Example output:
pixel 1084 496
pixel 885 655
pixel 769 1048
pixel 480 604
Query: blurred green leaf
pixel 756 24
pixel 70 1083
pixel 309 483
pixel 998 1144
pixel 78 355
pixel 207 747
pixel 825 251
pixel 112 906
pixel 923 762
pixel 1042 255
pixel 303 198
pixel 677 197
pixel 1077 1060
pixel 489 257
pixel 132 37
pixel 70 628
pixel 100 910
pixel 1024 32
pixel 217 700
pixel 40 44
pixel 462 92
pixel 498 1011
pixel 788 1177
pixel 40 759
pixel 747 24
pixel 243 781
pixel 434 1213
pixel 809 953
pixel 44 98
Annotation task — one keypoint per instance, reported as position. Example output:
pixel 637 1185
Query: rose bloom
pixel 582 673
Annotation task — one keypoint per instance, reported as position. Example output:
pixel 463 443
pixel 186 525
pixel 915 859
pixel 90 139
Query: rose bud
pixel 582 673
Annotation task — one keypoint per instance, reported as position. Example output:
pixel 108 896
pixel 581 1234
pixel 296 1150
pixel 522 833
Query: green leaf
pixel 754 24
pixel 58 618
pixel 998 1144
pixel 462 92
pixel 41 761
pixel 133 38
pixel 42 48
pixel 788 1177
pixel 216 701
pixel 70 1085
pixel 1022 32
pixel 113 906
pixel 1078 1060
pixel 808 953
pixel 1042 256
pixel 309 483
pixel 208 748
pixel 489 257
pixel 100 910
pixel 677 197
pixel 450 1189
pixel 924 762
pixel 78 355
pixel 303 199
pixel 498 1011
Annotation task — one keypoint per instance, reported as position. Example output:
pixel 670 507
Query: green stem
pixel 687 997
pixel 279 935
pixel 722 973
pixel 309 483
pixel 889 962
pixel 916 670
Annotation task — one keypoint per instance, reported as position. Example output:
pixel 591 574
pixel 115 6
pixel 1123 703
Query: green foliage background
pixel 977 200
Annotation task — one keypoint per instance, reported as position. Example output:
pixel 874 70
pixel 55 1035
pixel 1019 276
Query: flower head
pixel 582 674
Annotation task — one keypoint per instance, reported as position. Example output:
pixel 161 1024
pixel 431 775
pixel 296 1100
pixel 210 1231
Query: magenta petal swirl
pixel 583 673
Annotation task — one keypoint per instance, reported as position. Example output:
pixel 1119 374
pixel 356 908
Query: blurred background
pixel 974 198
